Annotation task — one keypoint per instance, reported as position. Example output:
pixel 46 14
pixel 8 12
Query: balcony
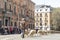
pixel 7 12
pixel 27 19
pixel 23 15
pixel 31 17
pixel 1 9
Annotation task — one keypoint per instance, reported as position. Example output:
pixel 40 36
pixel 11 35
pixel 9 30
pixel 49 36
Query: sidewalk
pixel 10 37
pixel 41 37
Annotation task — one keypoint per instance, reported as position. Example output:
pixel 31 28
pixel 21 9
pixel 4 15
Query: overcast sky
pixel 53 3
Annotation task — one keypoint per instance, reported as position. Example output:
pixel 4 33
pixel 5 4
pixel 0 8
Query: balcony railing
pixel 5 11
pixel 31 17
pixel 24 16
pixel 1 9
pixel 9 10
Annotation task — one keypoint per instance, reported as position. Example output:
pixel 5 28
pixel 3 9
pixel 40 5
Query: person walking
pixel 36 30
pixel 22 32
pixel 11 30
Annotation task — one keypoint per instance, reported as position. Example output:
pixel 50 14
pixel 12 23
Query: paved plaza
pixel 40 37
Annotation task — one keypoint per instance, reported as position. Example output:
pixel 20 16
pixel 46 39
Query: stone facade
pixel 16 13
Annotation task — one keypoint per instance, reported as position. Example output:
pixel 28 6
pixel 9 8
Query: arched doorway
pixel 15 27
pixel 6 22
pixel 15 24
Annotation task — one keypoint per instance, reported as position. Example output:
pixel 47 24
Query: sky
pixel 53 3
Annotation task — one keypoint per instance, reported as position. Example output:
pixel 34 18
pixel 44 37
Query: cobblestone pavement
pixel 41 37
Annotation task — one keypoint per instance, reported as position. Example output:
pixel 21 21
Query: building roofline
pixel 33 2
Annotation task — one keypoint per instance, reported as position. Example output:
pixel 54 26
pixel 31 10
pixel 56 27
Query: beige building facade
pixel 42 17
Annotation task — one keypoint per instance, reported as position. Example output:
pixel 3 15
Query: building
pixel 31 9
pixel 9 14
pixel 6 11
pixel 42 17
pixel 16 14
pixel 27 6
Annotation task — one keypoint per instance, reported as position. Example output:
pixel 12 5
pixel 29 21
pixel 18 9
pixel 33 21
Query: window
pixel 7 0
pixel 45 28
pixel 36 24
pixel 19 24
pixel 5 6
pixel 46 20
pixel 40 9
pixel 46 15
pixel 0 24
pixel 40 24
pixel 6 22
pixel 10 7
pixel 37 10
pixel 36 19
pixel 45 9
pixel 40 28
pixel 21 11
pixel 19 15
pixel 11 23
pixel 15 24
pixel 45 24
pixel 14 9
pixel 37 14
pixel 40 14
pixel 40 20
